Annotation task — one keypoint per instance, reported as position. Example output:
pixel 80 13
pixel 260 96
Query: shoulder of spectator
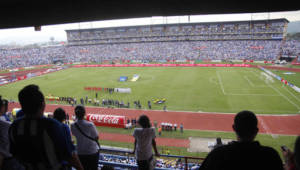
pixel 270 151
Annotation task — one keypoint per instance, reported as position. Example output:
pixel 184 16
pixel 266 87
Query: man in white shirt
pixel 86 135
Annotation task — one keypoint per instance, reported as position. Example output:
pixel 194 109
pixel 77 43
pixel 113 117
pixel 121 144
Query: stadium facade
pixel 257 40
pixel 274 29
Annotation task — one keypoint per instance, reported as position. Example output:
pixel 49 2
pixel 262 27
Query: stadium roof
pixel 23 13
pixel 182 24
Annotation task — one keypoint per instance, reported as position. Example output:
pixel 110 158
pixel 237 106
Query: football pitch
pixel 200 89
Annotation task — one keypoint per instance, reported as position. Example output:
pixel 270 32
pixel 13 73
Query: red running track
pixel 270 124
pixel 159 141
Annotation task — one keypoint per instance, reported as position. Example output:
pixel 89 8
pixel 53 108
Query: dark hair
pixel 1 102
pixel 144 121
pixel 5 104
pixel 218 141
pixel 79 112
pixel 297 153
pixel 245 124
pixel 31 99
pixel 59 114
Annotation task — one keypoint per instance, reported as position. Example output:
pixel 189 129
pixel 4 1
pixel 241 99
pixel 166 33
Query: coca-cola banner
pixel 21 77
pixel 107 120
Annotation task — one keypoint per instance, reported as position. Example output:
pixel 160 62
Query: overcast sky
pixel 28 35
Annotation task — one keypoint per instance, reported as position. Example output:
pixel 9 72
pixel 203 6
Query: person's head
pixel 79 112
pixel 5 105
pixel 32 100
pixel 59 114
pixel 144 121
pixel 297 153
pixel 219 141
pixel 1 106
pixel 245 125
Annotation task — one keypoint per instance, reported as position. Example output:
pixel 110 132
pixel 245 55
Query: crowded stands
pixel 251 40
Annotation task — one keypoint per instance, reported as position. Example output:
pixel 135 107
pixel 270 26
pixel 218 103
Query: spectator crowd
pixel 236 41
pixel 35 142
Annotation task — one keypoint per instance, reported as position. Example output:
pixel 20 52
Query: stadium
pixel 195 75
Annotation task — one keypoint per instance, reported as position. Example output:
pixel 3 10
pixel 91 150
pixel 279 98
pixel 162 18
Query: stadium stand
pixel 245 40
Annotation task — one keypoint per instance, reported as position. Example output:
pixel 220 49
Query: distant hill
pixel 293 27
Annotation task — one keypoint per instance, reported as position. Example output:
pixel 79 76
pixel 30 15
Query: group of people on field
pixel 34 142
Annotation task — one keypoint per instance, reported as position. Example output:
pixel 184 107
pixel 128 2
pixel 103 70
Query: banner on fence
pixel 107 120
pixel 122 90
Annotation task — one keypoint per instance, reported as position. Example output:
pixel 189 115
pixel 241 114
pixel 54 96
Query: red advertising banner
pixel 21 77
pixel 165 65
pixel 270 62
pixel 107 120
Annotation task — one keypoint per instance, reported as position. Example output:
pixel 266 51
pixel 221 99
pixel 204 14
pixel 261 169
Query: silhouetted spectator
pixel 292 159
pixel 19 114
pixel 245 153
pixel 7 162
pixel 297 153
pixel 61 116
pixel 218 143
pixel 144 141
pixel 87 140
pixel 43 145
pixel 3 111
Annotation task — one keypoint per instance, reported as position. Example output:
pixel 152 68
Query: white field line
pixel 264 125
pixel 280 93
pixel 252 84
pixel 233 94
pixel 284 97
pixel 220 82
pixel 211 80
pixel 291 94
pixel 249 81
pixel 251 94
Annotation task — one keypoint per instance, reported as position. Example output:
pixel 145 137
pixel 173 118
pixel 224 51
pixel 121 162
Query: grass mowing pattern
pixel 185 88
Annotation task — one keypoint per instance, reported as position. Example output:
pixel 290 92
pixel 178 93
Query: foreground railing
pixel 127 153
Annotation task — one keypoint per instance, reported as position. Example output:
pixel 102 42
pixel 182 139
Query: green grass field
pixel 185 88
pixel 267 140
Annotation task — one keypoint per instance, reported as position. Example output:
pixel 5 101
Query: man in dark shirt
pixel 149 104
pixel 245 153
pixel 36 141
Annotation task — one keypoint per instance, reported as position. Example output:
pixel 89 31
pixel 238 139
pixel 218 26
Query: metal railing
pixel 129 153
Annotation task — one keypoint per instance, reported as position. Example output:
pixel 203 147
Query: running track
pixel 269 124
pixel 185 143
